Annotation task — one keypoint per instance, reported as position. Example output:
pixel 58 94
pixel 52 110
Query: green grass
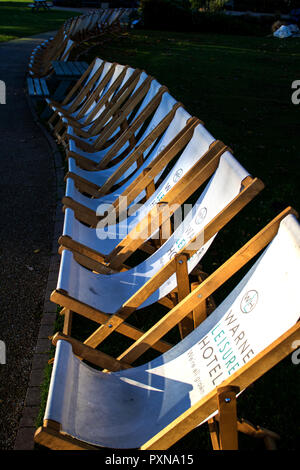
pixel 17 20
pixel 241 88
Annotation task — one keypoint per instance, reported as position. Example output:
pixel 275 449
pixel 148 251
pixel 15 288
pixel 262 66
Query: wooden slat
pixel 91 355
pixel 228 433
pixel 44 87
pixel 63 299
pixel 76 69
pixel 68 69
pixel 205 289
pixel 30 86
pixel 38 90
pixel 58 68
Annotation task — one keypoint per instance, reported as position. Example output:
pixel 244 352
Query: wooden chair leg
pixel 228 431
pixel 200 312
pixel 183 285
pixel 214 433
pixel 68 317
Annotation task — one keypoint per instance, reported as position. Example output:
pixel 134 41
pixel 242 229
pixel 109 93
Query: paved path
pixel 28 199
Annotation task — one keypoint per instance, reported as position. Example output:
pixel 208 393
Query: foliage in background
pixel 263 6
pixel 266 6
pixel 179 16
pixel 208 5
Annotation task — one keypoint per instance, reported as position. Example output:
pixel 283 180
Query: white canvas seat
pixel 153 405
pixel 108 293
pixel 178 122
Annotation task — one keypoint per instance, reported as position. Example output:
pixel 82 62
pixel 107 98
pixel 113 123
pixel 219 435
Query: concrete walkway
pixel 28 202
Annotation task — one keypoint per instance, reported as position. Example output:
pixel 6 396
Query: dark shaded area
pixel 27 193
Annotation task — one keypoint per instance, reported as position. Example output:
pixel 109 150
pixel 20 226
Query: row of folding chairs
pixel 97 25
pixel 130 243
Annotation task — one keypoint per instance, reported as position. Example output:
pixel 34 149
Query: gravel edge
pixel 24 438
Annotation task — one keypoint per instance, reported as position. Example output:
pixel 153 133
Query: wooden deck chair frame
pixel 110 29
pixel 55 43
pixel 115 101
pixel 137 156
pixel 112 105
pixel 109 323
pixel 222 398
pixel 126 135
pixel 125 96
pixel 56 50
pixel 90 97
pixel 79 92
pixel 104 130
pixel 105 28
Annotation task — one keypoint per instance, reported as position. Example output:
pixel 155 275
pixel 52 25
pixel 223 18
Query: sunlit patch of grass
pixel 17 20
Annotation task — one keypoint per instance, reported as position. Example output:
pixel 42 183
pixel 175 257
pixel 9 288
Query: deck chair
pixel 88 101
pixel 112 111
pixel 66 110
pixel 105 26
pixel 79 91
pixel 109 299
pixel 153 406
pixel 94 19
pixel 168 120
pixel 44 50
pixel 118 130
pixel 123 104
pixel 119 84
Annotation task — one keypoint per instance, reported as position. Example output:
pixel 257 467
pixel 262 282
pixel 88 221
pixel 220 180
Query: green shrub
pixel 266 6
pixel 225 24
pixel 166 14
pixel 177 15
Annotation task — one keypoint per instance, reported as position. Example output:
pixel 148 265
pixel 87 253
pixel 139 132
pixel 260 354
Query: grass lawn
pixel 241 88
pixel 17 20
